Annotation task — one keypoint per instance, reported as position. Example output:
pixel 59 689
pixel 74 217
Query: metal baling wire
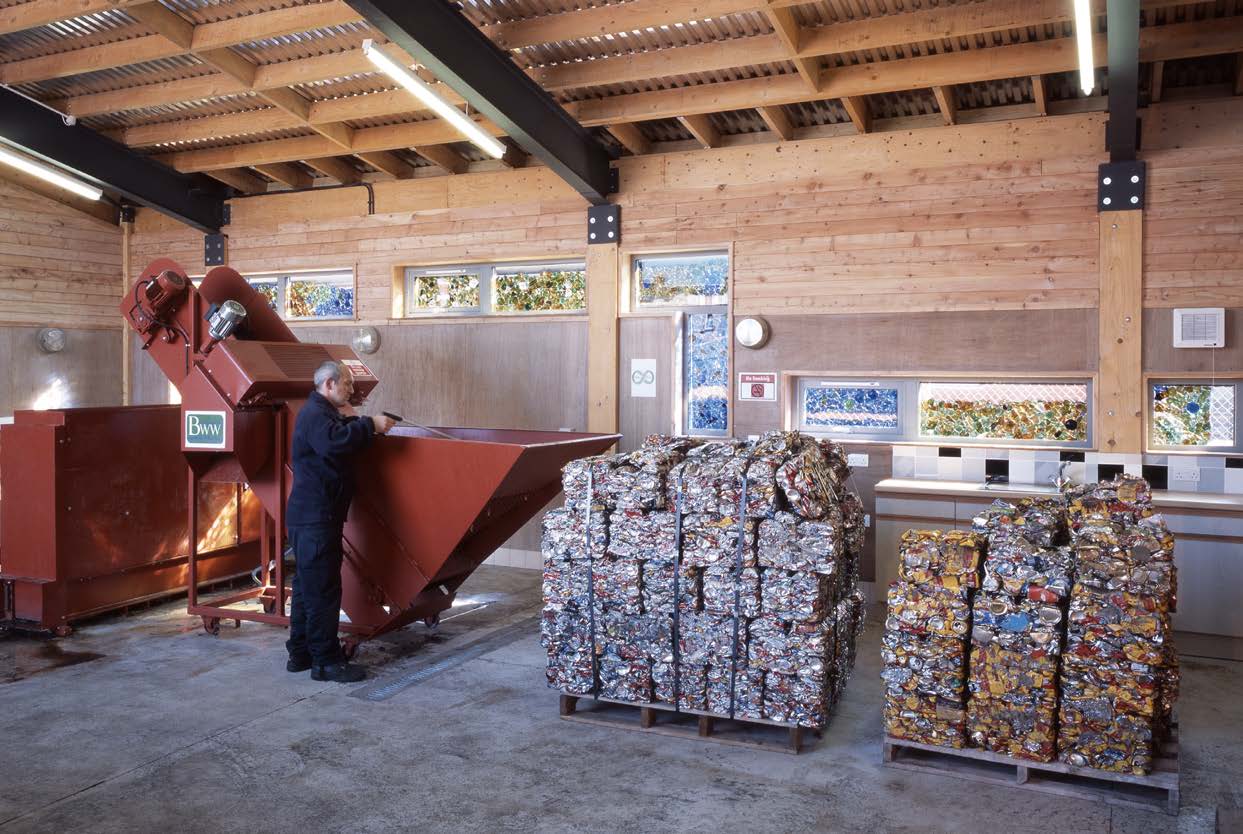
pixel 742 537
pixel 591 581
pixel 677 598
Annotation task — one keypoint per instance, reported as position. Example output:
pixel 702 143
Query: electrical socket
pixel 1191 475
pixel 857 460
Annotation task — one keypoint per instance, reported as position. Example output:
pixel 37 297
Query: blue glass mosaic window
pixel 706 346
pixel 320 299
pixel 851 408
pixel 676 280
pixel 271 290
pixel 327 295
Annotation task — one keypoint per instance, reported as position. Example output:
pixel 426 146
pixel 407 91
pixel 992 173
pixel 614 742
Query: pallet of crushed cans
pixel 1041 637
pixel 716 579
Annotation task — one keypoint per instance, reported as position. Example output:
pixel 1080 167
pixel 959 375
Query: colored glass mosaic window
pixel 681 280
pixel 444 292
pixel 320 298
pixel 850 407
pixel 551 289
pixel 707 373
pixel 1193 414
pixel 1004 411
pixel 271 290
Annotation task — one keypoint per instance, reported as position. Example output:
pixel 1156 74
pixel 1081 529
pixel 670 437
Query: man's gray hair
pixel 330 370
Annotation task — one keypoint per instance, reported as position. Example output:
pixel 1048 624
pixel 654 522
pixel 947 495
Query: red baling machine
pixel 431 504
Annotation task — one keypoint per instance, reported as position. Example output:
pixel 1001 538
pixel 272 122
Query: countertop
pixel 963 489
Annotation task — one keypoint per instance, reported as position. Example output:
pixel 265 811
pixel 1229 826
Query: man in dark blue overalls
pixel 325 441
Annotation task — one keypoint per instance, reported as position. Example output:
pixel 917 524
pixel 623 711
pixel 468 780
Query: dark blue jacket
pixel 324 445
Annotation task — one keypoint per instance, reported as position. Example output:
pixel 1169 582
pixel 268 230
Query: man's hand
pixel 382 424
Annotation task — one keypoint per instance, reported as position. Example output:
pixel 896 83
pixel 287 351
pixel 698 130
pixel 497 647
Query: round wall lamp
pixel 51 340
pixel 366 340
pixel 752 333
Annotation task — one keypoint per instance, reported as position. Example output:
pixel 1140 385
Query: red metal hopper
pixel 429 508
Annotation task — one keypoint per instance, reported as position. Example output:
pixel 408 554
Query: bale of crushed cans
pixel 714 577
pixel 924 648
pixel 1069 655
pixel 1119 676
pixel 1017 622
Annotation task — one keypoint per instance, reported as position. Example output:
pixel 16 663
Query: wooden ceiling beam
pixel 337 168
pixel 366 141
pixel 442 156
pixel 1156 82
pixel 778 122
pixel 663 63
pixel 242 180
pixel 1238 74
pixel 945 22
pixel 610 20
pixel 42 12
pixel 515 157
pixel 702 129
pixel 246 123
pixel 859 111
pixel 791 35
pixel 99 209
pixel 1178 40
pixel 286 172
pixel 947 104
pixel 631 137
pixel 1040 96
pixel 168 40
pixel 390 163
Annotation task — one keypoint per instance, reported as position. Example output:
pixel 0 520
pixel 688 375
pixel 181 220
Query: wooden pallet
pixel 664 720
pixel 1158 790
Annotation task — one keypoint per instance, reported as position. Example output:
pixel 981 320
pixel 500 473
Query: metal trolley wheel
pixel 349 647
pixel 432 622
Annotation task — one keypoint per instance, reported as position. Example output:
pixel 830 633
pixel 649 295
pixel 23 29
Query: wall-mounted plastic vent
pixel 1200 327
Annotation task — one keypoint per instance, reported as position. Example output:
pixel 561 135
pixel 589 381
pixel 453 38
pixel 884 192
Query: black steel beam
pixel 1122 131
pixel 439 37
pixel 195 200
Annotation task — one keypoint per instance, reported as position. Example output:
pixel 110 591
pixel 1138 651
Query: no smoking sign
pixel 757 387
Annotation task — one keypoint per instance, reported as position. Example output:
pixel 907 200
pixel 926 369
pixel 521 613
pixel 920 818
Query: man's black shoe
pixel 339 672
pixel 298 664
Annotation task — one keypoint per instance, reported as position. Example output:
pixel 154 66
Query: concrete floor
pixel 145 723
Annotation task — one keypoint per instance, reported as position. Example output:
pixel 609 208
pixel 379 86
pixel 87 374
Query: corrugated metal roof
pixel 88 31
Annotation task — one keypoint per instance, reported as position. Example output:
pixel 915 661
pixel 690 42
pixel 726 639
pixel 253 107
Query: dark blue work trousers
pixel 316 605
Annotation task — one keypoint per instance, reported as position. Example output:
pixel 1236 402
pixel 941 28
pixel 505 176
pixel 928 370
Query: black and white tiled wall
pixel 1184 473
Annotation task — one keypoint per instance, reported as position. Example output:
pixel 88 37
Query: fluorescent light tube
pixel 424 93
pixel 1083 35
pixel 43 172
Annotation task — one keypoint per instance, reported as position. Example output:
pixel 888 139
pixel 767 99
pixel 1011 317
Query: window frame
pixel 682 363
pixel 908 408
pixel 486 273
pixel 1153 380
pixel 903 387
pixel 636 258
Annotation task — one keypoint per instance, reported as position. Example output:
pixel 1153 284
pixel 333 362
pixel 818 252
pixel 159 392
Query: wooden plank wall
pixel 58 266
pixel 974 247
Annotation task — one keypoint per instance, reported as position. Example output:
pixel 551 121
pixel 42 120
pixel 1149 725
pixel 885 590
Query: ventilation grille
pixel 1200 327
pixel 298 361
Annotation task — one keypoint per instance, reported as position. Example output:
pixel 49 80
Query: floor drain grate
pixel 492 642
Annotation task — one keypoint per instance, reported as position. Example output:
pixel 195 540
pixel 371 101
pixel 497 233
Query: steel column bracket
pixel 1120 186
pixel 214 249
pixel 604 224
